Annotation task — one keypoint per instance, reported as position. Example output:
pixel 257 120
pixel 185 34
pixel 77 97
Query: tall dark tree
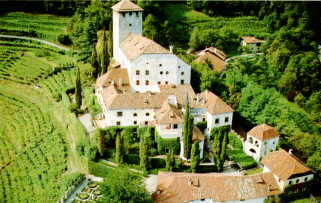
pixel 188 132
pixel 94 63
pixel 78 89
pixel 220 142
pixel 170 161
pixel 195 160
pixel 119 149
pixel 143 152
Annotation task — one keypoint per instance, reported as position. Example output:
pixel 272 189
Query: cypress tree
pixel 101 141
pixel 195 157
pixel 119 149
pixel 170 161
pixel 143 151
pixel 104 53
pixel 219 145
pixel 188 132
pixel 78 89
pixel 94 63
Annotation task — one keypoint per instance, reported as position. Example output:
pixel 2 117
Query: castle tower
pixel 127 18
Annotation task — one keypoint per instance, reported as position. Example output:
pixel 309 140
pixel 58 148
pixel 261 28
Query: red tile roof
pixel 263 132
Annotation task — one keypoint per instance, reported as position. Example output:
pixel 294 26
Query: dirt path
pixel 36 39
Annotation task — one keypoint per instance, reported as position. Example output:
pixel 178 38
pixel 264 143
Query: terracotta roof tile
pixel 213 103
pixel 263 132
pixel 135 45
pixel 169 114
pixel 126 5
pixel 186 187
pixel 116 76
pixel 284 165
pixel 250 40
pixel 217 63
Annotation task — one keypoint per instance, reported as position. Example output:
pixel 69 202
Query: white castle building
pixel 151 85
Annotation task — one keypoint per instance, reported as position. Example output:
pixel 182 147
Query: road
pixel 36 39
pixel 243 55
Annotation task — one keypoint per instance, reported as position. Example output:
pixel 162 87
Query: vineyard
pixel 37 160
pixel 42 26
pixel 245 25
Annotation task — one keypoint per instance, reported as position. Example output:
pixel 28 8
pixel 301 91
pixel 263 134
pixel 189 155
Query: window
pixel 217 121
pixel 175 126
pixel 252 150
pixel 137 82
pixel 297 180
pixel 160 65
pixel 226 119
pixel 119 113
pixel 135 122
pixel 130 25
pixel 147 72
pixel 204 119
pixel 130 13
pixel 137 72
pixel 136 14
pixel 179 67
pixel 147 82
pixel 118 123
pixel 167 72
pixel 135 114
pixel 124 14
pixel 182 82
pixel 251 140
pixel 147 114
pixel 146 122
pixel 182 73
pixel 159 82
pixel 166 82
pixel 161 72
pixel 290 182
pixel 305 179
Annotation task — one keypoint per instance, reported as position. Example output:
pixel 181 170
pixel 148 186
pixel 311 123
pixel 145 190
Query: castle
pixel 150 85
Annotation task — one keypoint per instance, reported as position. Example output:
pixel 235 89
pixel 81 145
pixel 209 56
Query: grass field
pixel 36 25
pixel 38 136
pixel 245 25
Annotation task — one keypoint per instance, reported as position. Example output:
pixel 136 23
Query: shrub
pixel 157 162
pixel 64 39
pixel 98 169
pixel 132 159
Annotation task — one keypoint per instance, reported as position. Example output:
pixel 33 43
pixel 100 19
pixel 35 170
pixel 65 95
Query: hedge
pixel 244 161
pixel 132 159
pixel 99 169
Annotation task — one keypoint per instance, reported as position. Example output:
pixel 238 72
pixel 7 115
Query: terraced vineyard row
pixel 59 83
pixel 42 26
pixel 35 153
pixel 21 64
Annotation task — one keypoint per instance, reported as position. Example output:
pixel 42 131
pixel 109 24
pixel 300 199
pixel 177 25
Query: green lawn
pixel 38 136
pixel 36 25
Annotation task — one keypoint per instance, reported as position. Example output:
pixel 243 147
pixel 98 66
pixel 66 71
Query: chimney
pixel 171 47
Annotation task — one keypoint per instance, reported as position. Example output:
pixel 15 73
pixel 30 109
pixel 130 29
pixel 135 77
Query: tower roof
pixel 263 132
pixel 126 5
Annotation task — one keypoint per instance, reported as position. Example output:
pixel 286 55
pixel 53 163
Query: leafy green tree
pixel 123 186
pixel 151 27
pixel 78 89
pixel 195 157
pixel 188 132
pixel 119 149
pixel 101 141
